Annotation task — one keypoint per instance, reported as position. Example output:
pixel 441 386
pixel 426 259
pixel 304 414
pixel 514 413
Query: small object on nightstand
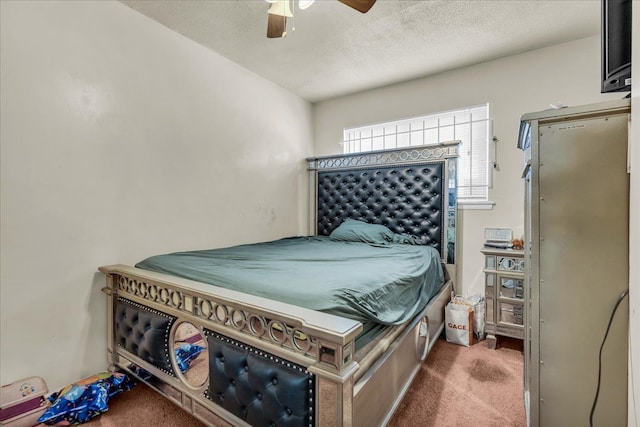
pixel 517 244
pixel 504 293
pixel 499 238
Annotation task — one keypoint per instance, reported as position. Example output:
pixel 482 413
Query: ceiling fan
pixel 280 10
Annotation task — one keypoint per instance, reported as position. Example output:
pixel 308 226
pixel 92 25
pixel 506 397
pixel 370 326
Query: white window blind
pixel 469 125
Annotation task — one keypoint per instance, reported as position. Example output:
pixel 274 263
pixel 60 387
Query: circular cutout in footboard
pixel 190 354
pixel 422 339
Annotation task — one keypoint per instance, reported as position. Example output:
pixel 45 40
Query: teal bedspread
pixel 386 285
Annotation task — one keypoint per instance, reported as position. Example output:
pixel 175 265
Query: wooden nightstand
pixel 504 293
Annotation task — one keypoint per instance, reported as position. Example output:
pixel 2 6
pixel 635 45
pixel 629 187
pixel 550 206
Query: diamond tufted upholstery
pixel 144 332
pixel 257 387
pixel 406 199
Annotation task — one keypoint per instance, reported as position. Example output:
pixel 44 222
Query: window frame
pixel 349 142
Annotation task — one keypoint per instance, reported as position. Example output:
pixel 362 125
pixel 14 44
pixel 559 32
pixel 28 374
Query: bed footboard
pixel 269 363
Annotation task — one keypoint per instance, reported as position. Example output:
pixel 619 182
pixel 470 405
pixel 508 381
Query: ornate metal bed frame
pixel 272 363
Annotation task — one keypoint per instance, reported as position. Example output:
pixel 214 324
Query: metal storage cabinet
pixel 577 261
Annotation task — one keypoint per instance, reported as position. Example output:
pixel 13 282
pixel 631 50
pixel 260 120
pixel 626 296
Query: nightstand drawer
pixel 510 263
pixel 511 313
pixel 511 287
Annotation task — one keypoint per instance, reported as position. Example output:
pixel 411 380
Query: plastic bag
pixel 79 402
pixel 479 310
pixel 185 354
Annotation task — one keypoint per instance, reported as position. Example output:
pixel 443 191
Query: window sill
pixel 470 205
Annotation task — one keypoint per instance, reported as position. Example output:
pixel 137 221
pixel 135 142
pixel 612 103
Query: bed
pixel 299 358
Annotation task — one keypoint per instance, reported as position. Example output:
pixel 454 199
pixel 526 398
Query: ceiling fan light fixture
pixel 362 6
pixel 281 8
pixel 276 26
pixel 303 4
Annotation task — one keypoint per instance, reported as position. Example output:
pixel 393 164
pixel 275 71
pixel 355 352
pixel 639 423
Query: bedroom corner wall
pixel 518 84
pixel 121 139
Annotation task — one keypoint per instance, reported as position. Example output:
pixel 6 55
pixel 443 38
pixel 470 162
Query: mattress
pixel 377 285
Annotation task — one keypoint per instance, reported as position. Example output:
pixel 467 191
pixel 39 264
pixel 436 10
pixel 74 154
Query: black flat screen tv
pixel 616 45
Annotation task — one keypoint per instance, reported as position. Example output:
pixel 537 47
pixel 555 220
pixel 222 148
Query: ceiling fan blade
pixel 276 26
pixel 359 5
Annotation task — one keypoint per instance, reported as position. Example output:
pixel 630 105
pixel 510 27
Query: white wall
pixel 121 139
pixel 634 230
pixel 567 73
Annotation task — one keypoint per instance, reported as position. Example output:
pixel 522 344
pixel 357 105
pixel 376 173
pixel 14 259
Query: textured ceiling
pixel 335 50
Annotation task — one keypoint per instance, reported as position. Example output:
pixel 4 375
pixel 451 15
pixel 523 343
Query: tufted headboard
pixel 410 191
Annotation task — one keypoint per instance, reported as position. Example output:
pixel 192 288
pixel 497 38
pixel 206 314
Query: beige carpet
pixel 460 386
pixel 456 386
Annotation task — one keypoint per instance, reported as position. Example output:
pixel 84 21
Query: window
pixel 469 125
